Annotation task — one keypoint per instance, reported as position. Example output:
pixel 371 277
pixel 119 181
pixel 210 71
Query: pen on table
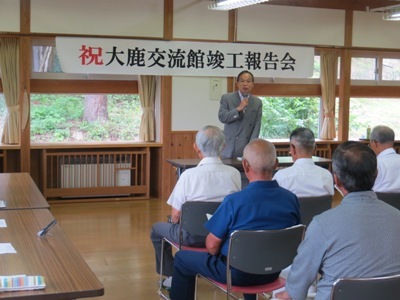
pixel 47 228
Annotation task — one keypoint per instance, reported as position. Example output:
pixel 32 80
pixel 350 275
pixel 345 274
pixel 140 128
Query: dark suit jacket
pixel 241 127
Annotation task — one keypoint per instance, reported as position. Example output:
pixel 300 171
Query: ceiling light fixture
pixel 389 13
pixel 231 4
pixel 392 14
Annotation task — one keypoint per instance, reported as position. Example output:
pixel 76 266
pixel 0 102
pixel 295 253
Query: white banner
pixel 145 57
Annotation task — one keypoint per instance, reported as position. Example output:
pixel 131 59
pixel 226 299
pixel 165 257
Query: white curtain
pixel 147 92
pixel 329 61
pixel 9 49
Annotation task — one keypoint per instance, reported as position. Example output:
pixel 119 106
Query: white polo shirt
pixel 209 180
pixel 388 179
pixel 305 179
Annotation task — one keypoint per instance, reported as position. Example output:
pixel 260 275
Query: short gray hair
pixel 303 138
pixel 382 134
pixel 210 140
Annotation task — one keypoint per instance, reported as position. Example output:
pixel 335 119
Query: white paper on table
pixel 2 203
pixel 6 248
pixel 3 223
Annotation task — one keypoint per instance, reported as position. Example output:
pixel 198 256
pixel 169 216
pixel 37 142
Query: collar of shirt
pixel 270 184
pixel 210 160
pixel 304 161
pixel 360 196
pixel 241 96
pixel 387 152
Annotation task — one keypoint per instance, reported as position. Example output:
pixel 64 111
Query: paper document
pixel 3 223
pixel 6 248
pixel 2 203
pixel 21 283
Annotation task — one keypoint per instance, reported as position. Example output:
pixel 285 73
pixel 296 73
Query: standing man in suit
pixel 241 113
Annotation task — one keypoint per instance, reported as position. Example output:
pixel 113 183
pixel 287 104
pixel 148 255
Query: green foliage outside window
pixel 283 114
pixel 59 118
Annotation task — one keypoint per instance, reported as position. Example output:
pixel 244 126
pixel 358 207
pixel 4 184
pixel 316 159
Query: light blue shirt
pixel 358 238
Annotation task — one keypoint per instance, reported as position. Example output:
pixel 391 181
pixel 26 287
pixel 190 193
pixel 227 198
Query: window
pixel 363 68
pixel 2 112
pixel 82 118
pixel 317 67
pixel 390 69
pixel 377 67
pixel 80 107
pixel 366 113
pixel 281 115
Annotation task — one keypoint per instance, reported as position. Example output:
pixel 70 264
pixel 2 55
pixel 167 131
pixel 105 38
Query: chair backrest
pixel 387 288
pixel 194 215
pixel 390 198
pixel 264 251
pixel 312 206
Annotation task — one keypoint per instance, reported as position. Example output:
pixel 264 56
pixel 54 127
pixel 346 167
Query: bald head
pixel 261 156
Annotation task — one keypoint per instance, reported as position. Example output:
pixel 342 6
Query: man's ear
pixel 337 181
pixel 276 163
pixel 246 165
pixel 196 148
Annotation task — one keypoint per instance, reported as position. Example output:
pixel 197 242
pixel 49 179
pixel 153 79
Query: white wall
pixel 98 17
pixel 193 20
pixel 294 25
pixel 9 16
pixel 192 107
pixel 369 30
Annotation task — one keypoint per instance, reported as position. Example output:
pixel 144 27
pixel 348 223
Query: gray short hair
pixel 210 140
pixel 382 134
pixel 303 138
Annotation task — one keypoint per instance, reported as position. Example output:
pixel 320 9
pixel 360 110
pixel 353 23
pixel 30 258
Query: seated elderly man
pixel 304 178
pixel 358 238
pixel 382 141
pixel 210 180
pixel 263 204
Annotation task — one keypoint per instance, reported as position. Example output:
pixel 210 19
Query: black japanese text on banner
pixel 177 58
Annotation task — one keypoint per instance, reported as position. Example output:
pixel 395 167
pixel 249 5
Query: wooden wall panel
pixel 181 144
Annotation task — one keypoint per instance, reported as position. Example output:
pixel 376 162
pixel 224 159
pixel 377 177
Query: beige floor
pixel 113 238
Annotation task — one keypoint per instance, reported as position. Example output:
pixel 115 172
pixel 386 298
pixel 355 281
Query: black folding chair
pixel 387 288
pixel 312 206
pixel 390 198
pixel 193 217
pixel 259 252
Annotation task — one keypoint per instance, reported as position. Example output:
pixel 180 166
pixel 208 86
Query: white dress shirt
pixel 305 179
pixel 209 180
pixel 388 179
